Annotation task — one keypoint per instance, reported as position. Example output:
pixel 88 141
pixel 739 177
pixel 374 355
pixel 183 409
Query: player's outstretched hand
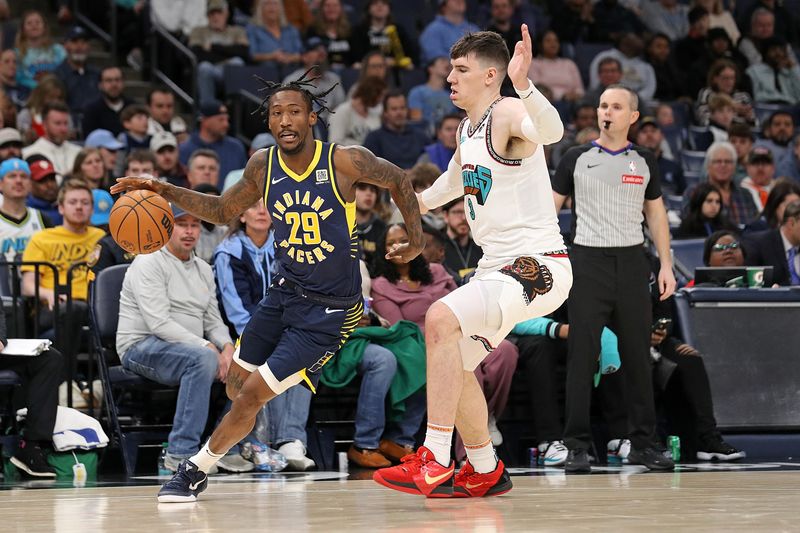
pixel 131 183
pixel 521 61
pixel 405 252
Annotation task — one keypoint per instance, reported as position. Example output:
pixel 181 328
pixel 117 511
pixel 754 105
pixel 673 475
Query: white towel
pixel 74 430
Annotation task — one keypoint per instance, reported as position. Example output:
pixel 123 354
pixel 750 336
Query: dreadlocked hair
pixel 303 85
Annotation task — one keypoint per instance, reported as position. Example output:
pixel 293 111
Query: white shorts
pixel 491 304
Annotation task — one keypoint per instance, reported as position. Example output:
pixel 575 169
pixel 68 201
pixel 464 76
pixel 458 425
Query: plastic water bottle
pixel 162 461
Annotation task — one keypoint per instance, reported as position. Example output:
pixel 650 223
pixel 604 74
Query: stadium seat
pixel 584 54
pixel 687 255
pixel 349 77
pixel 239 78
pixel 692 178
pixel 412 78
pixel 104 312
pixel 700 137
pixel 692 161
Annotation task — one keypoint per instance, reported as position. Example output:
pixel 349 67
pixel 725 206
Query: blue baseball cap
pixel 103 139
pixel 103 202
pixel 9 165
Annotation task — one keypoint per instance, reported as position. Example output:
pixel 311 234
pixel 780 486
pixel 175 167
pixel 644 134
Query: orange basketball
pixel 141 222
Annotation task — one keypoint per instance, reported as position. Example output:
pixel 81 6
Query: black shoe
pixel 714 448
pixel 31 459
pixel 577 462
pixel 651 458
pixel 187 483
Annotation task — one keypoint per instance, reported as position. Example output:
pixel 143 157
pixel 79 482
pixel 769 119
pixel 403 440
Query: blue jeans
pixel 288 414
pixel 209 76
pixel 193 369
pixel 377 369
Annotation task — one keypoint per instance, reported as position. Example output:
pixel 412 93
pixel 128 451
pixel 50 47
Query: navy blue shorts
pixel 295 337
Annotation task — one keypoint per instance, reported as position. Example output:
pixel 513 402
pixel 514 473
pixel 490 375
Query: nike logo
pixel 328 310
pixel 470 486
pixel 587 166
pixel 278 180
pixel 193 486
pixel 432 480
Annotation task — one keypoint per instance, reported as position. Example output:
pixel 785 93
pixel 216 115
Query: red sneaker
pixel 470 484
pixel 418 473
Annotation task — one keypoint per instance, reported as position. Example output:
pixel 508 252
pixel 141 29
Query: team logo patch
pixel 322 175
pixel 477 181
pixel 632 167
pixel 316 367
pixel 535 279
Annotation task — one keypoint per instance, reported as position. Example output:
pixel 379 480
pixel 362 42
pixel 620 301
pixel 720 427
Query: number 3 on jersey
pixel 471 208
pixel 309 221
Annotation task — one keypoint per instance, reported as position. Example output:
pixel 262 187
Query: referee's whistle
pixel 606 124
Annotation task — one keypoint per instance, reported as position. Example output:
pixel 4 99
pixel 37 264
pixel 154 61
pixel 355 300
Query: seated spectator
pixel 784 192
pixel 271 38
pixel 135 118
pixel 179 17
pixel 259 142
pixel 431 100
pixel 161 103
pixel 373 65
pixel 612 20
pixel 212 134
pixel 110 150
pixel 609 72
pixel 395 140
pixel 741 137
pixel 762 27
pixel 140 163
pixel 461 254
pixel 440 152
pixel 210 234
pixel 719 165
pixel 718 46
pixel 572 20
pixel 694 44
pixel 164 147
pixel 131 20
pixel 649 135
pixel 776 80
pixel 670 80
pixel 244 264
pixel 721 112
pixel 80 79
pixel 325 81
pixel 443 31
pixel 215 46
pixel 53 144
pixel 36 52
pixel 704 214
pixel 89 167
pixel 422 175
pixel 788 165
pixel 10 144
pixel 760 175
pixel 503 21
pixel 636 73
pixel 723 248
pixel 18 222
pixel 330 23
pixel 17 92
pixel 103 113
pixel 719 17
pixel 41 377
pixel 354 119
pixel 785 21
pixel 369 225
pixel 667 17
pixel 584 116
pixel 559 73
pixel 779 247
pixel 378 31
pixel 203 168
pixel 171 332
pixel 30 121
pixel 102 202
pixel 778 132
pixel 44 188
pixel 65 246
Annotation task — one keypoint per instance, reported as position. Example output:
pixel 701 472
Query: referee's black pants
pixel 610 288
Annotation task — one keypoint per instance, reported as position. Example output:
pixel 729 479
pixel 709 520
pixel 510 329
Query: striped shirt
pixel 608 191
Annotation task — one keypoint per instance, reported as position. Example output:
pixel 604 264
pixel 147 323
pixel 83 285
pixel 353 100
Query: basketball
pixel 141 222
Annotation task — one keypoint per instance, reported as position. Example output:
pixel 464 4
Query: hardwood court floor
pixel 625 500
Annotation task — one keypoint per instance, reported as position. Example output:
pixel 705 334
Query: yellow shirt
pixel 63 249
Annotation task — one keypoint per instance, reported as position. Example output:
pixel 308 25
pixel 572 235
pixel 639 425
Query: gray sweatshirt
pixel 171 299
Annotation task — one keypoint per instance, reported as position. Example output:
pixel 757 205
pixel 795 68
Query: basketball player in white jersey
pixel 499 168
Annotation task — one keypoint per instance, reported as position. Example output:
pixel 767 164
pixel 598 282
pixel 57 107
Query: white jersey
pixel 15 236
pixel 508 202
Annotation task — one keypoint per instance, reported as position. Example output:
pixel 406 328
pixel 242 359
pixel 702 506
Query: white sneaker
pixel 235 463
pixel 494 433
pixel 618 450
pixel 295 454
pixel 553 453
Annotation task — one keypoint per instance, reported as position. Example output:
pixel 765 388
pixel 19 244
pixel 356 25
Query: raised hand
pixel 521 61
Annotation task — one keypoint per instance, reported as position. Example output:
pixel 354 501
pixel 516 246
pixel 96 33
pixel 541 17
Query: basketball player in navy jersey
pixel 315 301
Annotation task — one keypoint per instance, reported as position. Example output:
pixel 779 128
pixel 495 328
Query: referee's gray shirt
pixel 608 191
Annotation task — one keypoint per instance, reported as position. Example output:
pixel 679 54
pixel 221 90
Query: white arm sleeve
pixel 543 124
pixel 447 187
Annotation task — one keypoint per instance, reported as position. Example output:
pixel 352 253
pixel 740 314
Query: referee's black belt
pixel 337 302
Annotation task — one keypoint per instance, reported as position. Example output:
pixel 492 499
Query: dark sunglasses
pixel 722 247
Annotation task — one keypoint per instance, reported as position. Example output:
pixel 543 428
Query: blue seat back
pixel 105 302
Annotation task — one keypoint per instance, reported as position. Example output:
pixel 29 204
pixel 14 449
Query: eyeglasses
pixel 722 247
pixel 722 161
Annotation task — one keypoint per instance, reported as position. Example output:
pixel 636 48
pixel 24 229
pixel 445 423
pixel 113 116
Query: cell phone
pixel 662 324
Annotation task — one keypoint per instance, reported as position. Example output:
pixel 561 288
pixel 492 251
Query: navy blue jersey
pixel 316 244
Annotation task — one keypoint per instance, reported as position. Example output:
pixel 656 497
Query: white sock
pixel 438 440
pixel 482 457
pixel 205 458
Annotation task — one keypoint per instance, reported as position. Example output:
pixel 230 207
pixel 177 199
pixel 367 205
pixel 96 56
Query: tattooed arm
pixel 357 164
pixel 215 209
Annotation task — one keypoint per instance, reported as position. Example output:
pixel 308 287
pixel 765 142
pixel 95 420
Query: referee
pixel 613 184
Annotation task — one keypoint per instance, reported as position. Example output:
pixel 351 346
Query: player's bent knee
pixel 440 322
